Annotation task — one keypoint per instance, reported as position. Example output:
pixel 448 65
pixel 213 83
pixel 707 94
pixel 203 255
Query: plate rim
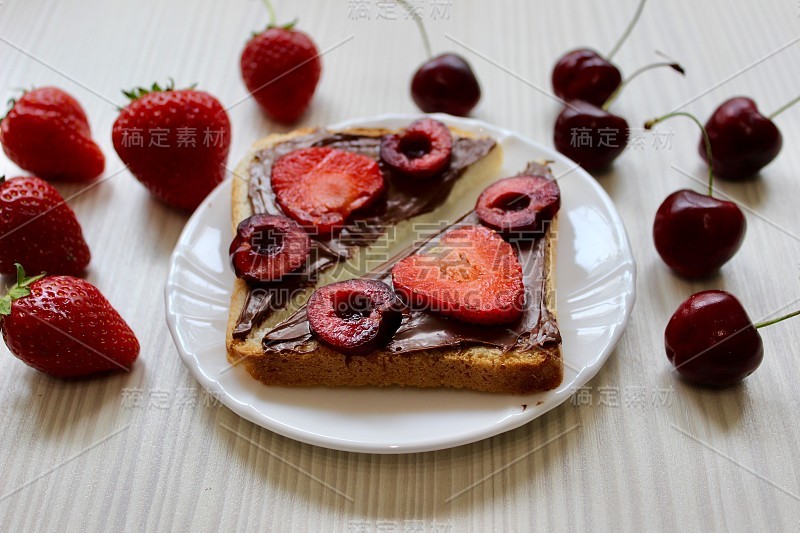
pixel 508 423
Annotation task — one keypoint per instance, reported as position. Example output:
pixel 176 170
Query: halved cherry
pixel 520 203
pixel 321 187
pixel 472 275
pixel 356 317
pixel 420 152
pixel 267 247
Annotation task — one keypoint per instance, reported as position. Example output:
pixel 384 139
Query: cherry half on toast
pixel 268 247
pixel 423 150
pixel 355 317
pixel 519 204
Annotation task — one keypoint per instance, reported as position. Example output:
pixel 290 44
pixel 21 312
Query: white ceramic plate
pixel 596 277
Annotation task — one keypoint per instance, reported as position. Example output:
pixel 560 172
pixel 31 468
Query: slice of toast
pixel 521 369
pixel 464 192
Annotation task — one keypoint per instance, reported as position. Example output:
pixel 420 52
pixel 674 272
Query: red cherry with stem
pixel 591 135
pixel 743 140
pixel 445 83
pixel 586 75
pixel 711 341
pixel 696 234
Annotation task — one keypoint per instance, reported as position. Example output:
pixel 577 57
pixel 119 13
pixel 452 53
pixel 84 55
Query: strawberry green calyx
pixel 19 290
pixel 138 92
pixel 289 25
pixel 13 100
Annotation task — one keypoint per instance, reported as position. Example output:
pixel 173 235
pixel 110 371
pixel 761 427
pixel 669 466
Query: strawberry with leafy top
pixel 175 142
pixel 281 68
pixel 38 229
pixel 472 275
pixel 46 132
pixel 64 327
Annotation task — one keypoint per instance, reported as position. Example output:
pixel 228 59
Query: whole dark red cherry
pixel 446 84
pixel 356 316
pixel 711 341
pixel 696 234
pixel 584 74
pixel 743 141
pixel 589 135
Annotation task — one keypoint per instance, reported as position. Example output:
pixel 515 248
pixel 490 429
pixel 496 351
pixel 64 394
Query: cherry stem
pixel 650 123
pixel 627 31
pixel 671 64
pixel 271 10
pixel 776 320
pixel 784 107
pixel 413 13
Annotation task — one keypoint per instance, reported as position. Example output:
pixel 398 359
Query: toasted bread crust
pixel 476 367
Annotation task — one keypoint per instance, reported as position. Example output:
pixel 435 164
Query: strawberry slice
pixel 321 187
pixel 472 275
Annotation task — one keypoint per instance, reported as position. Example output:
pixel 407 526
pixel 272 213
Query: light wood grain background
pixel 147 451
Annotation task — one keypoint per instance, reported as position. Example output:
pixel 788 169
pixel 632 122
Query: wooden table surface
pixel 149 451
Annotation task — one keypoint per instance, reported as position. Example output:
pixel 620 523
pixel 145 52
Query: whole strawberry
pixel 38 229
pixel 64 327
pixel 46 133
pixel 175 142
pixel 281 68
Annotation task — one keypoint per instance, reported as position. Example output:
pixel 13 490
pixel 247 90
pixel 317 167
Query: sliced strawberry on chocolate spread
pixel 267 247
pixel 471 275
pixel 356 316
pixel 321 187
pixel 520 203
